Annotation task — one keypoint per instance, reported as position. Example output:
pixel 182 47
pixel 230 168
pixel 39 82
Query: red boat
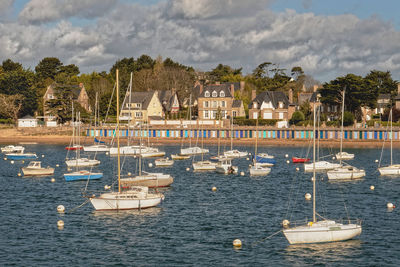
pixel 300 160
pixel 74 147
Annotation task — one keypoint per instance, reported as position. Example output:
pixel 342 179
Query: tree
pixel 297 117
pixel 380 82
pixel 9 65
pixel 70 70
pixel 48 67
pixel 305 108
pixel 10 105
pixel 348 118
pixel 297 72
pixel 223 70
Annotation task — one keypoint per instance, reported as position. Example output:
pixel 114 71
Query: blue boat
pixel 82 176
pixel 21 156
pixel 268 161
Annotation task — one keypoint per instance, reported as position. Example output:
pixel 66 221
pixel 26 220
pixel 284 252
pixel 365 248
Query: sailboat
pixel 234 153
pixel 78 161
pixel 12 149
pixel 137 197
pixel 195 150
pixel 320 165
pixel 392 169
pixel 324 230
pixel 73 145
pixel 203 165
pixel 152 151
pixel 256 168
pixel 98 146
pixel 344 172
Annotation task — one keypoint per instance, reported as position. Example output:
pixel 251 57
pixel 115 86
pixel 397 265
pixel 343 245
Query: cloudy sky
pixel 326 38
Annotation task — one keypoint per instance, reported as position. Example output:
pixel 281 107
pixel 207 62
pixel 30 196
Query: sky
pixel 327 39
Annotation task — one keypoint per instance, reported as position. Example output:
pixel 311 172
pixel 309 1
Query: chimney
pixel 291 96
pixel 233 90
pixel 398 88
pixel 253 94
pixel 201 89
pixel 315 87
pixel 80 85
pixel 242 83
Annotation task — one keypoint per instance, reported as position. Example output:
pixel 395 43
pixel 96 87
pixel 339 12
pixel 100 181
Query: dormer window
pixel 214 94
pixel 222 94
pixel 207 94
pixel 280 104
pixel 254 104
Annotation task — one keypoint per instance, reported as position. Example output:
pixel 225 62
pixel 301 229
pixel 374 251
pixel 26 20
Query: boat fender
pixel 310 224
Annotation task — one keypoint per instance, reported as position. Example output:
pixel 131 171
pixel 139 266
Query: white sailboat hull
pixel 226 169
pixel 390 170
pixel 258 170
pixel 320 232
pixel 125 201
pixel 164 162
pixel 345 173
pixel 132 150
pixel 204 166
pixel 344 156
pixel 235 154
pixel 12 149
pixel 193 151
pixel 96 148
pixel 152 154
pixel 321 166
pixel 82 162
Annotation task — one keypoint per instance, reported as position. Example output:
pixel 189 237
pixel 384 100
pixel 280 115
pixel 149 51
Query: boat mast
pixel 119 160
pixel 190 120
pixel 73 124
pixel 95 115
pixel 255 149
pixel 341 135
pixel 219 136
pixel 231 132
pixel 130 101
pixel 391 136
pixel 314 217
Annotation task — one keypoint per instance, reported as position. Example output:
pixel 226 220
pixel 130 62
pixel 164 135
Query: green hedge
pixel 6 121
pixel 253 122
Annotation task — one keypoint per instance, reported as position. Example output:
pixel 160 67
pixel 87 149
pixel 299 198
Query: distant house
pixel 141 105
pixel 217 100
pixel 27 121
pixel 169 101
pixel 383 102
pixel 78 94
pixel 271 105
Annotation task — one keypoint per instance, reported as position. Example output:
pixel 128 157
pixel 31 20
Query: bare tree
pixel 10 105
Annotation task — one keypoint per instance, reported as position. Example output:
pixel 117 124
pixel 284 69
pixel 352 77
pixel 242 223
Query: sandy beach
pixel 63 136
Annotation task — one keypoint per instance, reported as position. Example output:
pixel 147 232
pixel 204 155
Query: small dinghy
pixel 164 162
pixel 35 169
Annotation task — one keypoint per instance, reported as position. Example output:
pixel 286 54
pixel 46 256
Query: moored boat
pixel 12 149
pixel 300 160
pixel 82 162
pixel 179 156
pixel 35 168
pixel 21 156
pixel 164 162
pixel 225 166
pixel 82 175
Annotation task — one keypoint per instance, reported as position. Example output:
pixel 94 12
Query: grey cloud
pixel 42 11
pixel 5 6
pixel 324 46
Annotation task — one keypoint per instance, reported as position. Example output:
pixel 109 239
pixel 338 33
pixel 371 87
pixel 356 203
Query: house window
pixel 214 114
pixel 254 104
pixel 280 104
pixel 223 104
pixel 206 104
pixel 222 94
pixel 207 94
pixel 214 94
pixel 214 104
pixel 234 113
pixel 138 105
pixel 50 96
pixel 206 115
pixel 281 115
pixel 267 115
pixel 138 114
pixel 223 114
pixel 255 115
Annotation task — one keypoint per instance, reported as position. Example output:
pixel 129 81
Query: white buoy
pixel 285 223
pixel 150 164
pixel 237 243
pixel 60 208
pixel 5 158
pixel 129 173
pixel 297 169
pixel 333 158
pixel 247 159
pixel 42 156
pixel 53 180
pixel 242 173
pixel 308 196
pixel 214 189
pixel 187 169
pixel 286 156
pixel 287 162
pixel 19 174
pixel 107 153
pixel 376 161
pixel 60 224
pixel 12 162
pixel 390 205
pixel 372 187
pixel 106 187
pixel 57 165
pixel 312 178
pixel 23 161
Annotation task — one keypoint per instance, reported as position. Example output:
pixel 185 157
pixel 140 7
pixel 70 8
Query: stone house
pixel 271 105
pixel 217 100
pixel 169 101
pixel 141 105
pixel 78 94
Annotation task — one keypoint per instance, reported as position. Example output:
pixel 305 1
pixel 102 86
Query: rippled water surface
pixel 195 226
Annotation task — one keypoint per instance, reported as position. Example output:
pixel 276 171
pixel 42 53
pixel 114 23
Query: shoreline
pixel 66 140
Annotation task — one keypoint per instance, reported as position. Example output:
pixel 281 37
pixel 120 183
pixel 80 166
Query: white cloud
pixel 42 11
pixel 5 6
pixel 203 35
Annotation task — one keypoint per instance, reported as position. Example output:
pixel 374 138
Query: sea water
pixel 195 226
